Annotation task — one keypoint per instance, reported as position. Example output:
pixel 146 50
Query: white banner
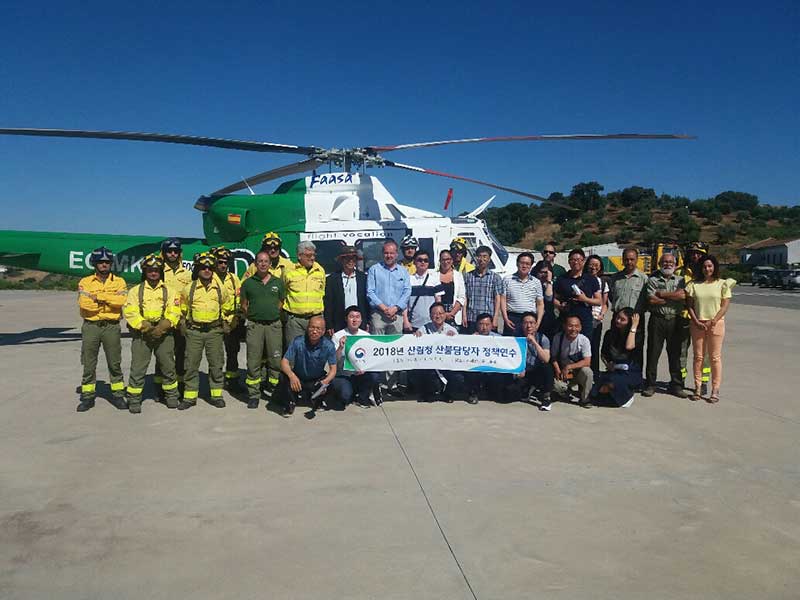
pixel 447 353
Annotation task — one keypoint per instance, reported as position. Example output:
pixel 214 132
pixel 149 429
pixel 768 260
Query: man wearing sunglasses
pixel 549 258
pixel 207 306
pixel 100 300
pixel 426 289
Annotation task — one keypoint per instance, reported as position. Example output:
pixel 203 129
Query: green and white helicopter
pixel 341 207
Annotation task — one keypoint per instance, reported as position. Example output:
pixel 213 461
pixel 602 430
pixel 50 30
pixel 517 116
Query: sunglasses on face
pixel 548 252
pixel 422 260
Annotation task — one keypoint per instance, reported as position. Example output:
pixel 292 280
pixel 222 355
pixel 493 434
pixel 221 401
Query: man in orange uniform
pixel 100 300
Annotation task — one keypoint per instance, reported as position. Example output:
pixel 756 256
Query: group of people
pixel 294 320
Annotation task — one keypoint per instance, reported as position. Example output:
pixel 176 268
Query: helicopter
pixel 334 209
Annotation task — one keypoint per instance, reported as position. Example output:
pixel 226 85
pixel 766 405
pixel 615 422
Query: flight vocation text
pixel 331 178
pixel 451 353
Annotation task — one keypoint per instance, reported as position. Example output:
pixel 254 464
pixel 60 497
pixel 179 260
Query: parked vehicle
pixel 775 278
pixel 760 275
pixel 791 280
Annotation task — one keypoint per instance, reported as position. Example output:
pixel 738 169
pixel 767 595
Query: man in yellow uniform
pixel 207 308
pixel 152 311
pixel 271 244
pixel 237 332
pixel 100 300
pixel 408 248
pixel 458 249
pixel 305 289
pixel 176 277
pixel 695 252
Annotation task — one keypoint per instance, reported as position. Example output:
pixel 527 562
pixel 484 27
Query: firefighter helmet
pixel 172 243
pixel 100 254
pixel 700 247
pixel 409 242
pixel 459 244
pixel 271 239
pixel 221 252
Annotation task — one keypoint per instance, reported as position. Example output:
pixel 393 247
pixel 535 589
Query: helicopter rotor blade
pixel 536 138
pixel 299 167
pixel 390 163
pixel 163 137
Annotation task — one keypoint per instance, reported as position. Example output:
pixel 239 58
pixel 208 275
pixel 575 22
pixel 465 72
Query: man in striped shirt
pixel 523 294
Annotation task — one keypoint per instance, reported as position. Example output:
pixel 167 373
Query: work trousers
pixel 264 341
pixel 233 341
pixel 142 349
pixel 108 335
pixel 494 384
pixel 583 378
pixel 675 333
pixel 295 326
pixel 710 341
pixel 179 359
pixel 211 341
pixel 303 397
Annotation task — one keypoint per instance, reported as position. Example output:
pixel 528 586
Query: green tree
pixel 586 196
pixel 638 196
pixel 726 234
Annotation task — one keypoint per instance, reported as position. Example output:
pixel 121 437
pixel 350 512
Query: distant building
pixel 771 251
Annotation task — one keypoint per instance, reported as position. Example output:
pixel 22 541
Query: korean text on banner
pixel 448 353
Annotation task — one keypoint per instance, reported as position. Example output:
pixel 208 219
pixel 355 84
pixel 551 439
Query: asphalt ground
pixel 666 499
pixel 772 297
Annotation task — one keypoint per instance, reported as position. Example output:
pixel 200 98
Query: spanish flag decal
pixel 235 219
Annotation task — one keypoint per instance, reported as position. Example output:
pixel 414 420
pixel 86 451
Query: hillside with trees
pixel 638 216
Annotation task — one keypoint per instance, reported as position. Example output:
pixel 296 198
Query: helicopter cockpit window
pixel 499 250
pixel 472 245
pixel 327 251
pixel 371 251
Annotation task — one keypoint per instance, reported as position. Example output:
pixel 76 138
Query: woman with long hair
pixel 623 374
pixel 454 291
pixel 708 298
pixel 594 267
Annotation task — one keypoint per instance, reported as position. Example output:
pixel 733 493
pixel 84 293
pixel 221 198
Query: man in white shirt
pixel 433 384
pixel 350 383
pixel 426 289
pixel 571 356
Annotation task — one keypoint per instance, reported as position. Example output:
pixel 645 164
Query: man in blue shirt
pixel 388 291
pixel 303 366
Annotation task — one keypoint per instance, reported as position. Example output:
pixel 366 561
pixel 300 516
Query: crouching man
pixel 494 384
pixel 434 384
pixel 303 367
pixel 537 379
pixel 571 356
pixel 348 384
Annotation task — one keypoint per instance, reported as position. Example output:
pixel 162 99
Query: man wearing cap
pixel 152 310
pixel 344 288
pixel 100 299
pixel 176 277
pixel 236 333
pixel 305 290
pixel 271 244
pixel 458 250
pixel 695 253
pixel 206 307
pixel 262 300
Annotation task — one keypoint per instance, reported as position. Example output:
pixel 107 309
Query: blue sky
pixel 349 74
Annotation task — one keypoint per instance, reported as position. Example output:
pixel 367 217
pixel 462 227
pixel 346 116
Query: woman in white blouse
pixel 455 294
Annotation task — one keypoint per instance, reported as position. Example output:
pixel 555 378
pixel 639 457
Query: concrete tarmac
pixel 666 499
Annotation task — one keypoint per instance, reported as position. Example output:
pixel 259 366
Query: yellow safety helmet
pixel 271 239
pixel 700 247
pixel 459 244
pixel 221 252
pixel 152 261
pixel 205 259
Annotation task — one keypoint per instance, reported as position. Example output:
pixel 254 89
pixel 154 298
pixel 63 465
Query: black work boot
pixel 85 405
pixel 119 402
pixel 217 402
pixel 135 407
pixel 185 405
